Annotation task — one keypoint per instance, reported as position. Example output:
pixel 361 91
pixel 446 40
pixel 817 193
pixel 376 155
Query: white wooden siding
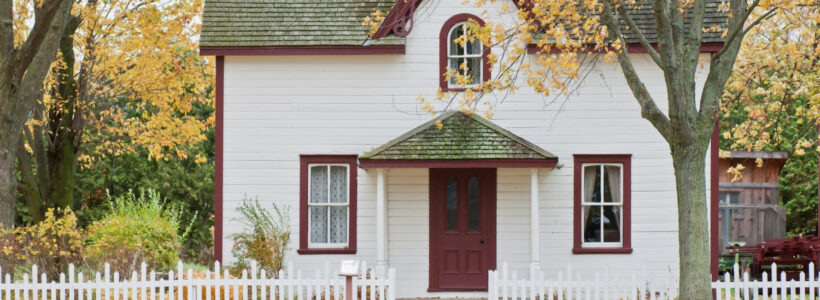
pixel 277 107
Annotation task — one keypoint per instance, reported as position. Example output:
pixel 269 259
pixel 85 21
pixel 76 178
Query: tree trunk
pixel 62 151
pixel 9 137
pixel 22 71
pixel 28 186
pixel 693 231
pixel 62 161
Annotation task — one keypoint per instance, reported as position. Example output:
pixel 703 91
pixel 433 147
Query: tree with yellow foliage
pixel 772 103
pixel 570 35
pixel 25 57
pixel 126 70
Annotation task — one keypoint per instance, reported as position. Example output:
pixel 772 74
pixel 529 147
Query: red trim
pixel 306 159
pixel 578 250
pixel 325 251
pixel 475 163
pixel 399 21
pixel 219 136
pixel 435 181
pixel 626 160
pixel 714 195
pixel 303 50
pixel 638 48
pixel 442 50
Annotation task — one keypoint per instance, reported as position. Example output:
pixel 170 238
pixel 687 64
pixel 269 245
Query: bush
pixel 264 240
pixel 137 229
pixel 52 244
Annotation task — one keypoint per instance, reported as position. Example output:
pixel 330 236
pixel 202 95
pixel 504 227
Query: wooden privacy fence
pixel 504 284
pixel 254 284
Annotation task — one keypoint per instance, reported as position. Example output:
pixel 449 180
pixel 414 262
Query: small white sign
pixel 349 268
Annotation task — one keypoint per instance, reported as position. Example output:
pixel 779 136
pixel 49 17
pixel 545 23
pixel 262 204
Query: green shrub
pixel 264 239
pixel 137 229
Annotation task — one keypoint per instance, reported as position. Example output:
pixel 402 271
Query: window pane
pixel 455 48
pixel 473 47
pixel 318 184
pixel 452 204
pixel 612 184
pixel 338 224
pixel 473 204
pixel 474 65
pixel 318 224
pixel 592 184
pixel 592 224
pixel 338 184
pixel 612 224
pixel 454 65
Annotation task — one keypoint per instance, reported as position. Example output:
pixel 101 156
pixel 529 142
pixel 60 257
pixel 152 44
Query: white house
pixel 314 115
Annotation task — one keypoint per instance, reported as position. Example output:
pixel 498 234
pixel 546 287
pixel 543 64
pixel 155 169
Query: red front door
pixel 462 228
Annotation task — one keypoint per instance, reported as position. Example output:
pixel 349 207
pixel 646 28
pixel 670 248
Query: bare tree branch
pixel 649 110
pixel 40 62
pixel 720 68
pixel 48 17
pixel 637 32
pixel 739 15
pixel 695 38
pixel 663 24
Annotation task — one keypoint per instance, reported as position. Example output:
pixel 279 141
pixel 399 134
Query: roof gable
pixel 462 137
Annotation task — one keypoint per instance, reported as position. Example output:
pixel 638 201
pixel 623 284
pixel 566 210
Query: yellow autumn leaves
pixel 140 77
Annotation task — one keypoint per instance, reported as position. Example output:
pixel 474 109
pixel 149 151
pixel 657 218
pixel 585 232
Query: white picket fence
pixel 253 284
pixel 504 284
pixel 737 286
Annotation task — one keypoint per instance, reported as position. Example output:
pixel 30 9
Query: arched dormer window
pixel 453 54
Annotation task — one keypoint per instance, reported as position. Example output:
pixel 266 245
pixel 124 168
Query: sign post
pixel 348 269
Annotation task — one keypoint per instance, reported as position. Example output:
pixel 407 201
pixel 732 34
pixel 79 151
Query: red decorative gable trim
pixel 399 21
pixel 302 50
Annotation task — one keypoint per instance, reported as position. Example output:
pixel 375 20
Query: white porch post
pixel 535 237
pixel 381 218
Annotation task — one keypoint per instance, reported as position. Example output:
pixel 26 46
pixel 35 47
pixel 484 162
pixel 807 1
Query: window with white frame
pixel 602 205
pixel 328 205
pixel 464 58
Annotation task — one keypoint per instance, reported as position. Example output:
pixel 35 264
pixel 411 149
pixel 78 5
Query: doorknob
pixel 481 241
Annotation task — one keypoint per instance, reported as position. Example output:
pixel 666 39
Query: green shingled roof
pixel 251 23
pixel 258 23
pixel 643 15
pixel 462 137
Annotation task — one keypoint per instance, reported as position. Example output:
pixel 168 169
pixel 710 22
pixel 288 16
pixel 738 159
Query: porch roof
pixel 464 140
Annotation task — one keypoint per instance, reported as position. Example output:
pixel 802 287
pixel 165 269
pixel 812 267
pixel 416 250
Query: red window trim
pixel 626 160
pixel 442 50
pixel 304 161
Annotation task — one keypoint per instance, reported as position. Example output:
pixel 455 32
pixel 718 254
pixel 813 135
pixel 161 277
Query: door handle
pixel 481 241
